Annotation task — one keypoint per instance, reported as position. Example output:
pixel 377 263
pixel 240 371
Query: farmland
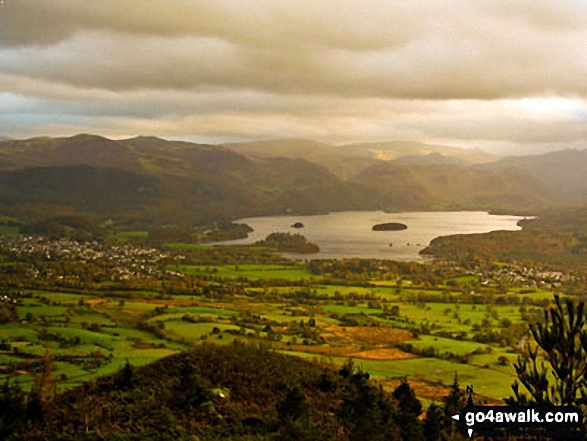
pixel 74 321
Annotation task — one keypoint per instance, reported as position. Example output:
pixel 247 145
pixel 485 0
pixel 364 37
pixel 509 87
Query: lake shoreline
pixel 349 234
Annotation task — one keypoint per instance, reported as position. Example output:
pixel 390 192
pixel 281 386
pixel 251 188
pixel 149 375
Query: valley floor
pixel 73 319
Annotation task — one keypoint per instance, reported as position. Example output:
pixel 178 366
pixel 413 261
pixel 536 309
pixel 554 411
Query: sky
pixel 506 76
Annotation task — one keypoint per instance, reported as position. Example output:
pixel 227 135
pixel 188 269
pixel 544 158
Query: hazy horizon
pixel 196 140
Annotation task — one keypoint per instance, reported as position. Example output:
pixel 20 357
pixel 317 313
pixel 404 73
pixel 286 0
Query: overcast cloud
pixel 507 76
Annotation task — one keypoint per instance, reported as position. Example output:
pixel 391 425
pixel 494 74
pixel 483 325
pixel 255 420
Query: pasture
pixel 384 327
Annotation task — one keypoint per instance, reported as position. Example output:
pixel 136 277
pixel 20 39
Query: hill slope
pixel 444 186
pixel 564 172
pixel 83 187
pixel 218 393
pixel 77 150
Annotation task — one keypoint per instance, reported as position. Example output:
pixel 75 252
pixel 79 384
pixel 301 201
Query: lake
pixel 349 234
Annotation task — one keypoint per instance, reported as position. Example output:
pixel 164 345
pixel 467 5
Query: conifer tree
pixel 293 412
pixel 433 423
pixel 124 378
pixel 406 397
pixel 453 403
pixel 294 406
pixel 366 414
pixel 554 369
pixel 12 405
pixel 406 416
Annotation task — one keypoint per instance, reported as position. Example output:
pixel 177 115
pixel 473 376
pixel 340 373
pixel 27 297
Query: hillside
pixel 76 150
pixel 424 186
pixel 217 393
pixel 79 188
pixel 563 171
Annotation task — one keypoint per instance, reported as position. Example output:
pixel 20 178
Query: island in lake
pixel 291 243
pixel 390 226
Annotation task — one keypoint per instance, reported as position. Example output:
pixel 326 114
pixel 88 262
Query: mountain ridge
pixel 195 183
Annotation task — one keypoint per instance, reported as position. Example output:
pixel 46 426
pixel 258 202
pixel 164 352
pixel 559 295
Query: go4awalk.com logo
pixel 543 421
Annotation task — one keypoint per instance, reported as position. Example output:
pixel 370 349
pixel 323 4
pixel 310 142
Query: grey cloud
pixel 337 70
pixel 342 23
pixel 428 69
pixel 348 48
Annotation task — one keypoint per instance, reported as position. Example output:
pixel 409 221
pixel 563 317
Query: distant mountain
pixel 3 138
pixel 563 172
pixel 174 182
pixel 341 162
pixel 349 160
pixel 391 150
pixel 430 158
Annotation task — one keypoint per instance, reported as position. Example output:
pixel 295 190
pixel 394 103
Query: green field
pixel 446 345
pixel 391 324
pixel 6 230
pixel 489 383
pixel 254 272
pixel 125 236
pixel 187 246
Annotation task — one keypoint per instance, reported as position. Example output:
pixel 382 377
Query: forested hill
pixel 159 181
pixel 233 392
pixel 558 238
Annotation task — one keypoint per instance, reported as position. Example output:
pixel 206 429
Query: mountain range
pixel 160 181
pixel 349 160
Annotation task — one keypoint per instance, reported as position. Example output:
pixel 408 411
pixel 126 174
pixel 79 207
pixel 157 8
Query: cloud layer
pixel 494 74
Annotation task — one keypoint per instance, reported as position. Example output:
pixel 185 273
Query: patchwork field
pixel 395 321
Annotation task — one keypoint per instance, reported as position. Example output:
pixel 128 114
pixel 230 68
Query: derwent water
pixel 349 234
